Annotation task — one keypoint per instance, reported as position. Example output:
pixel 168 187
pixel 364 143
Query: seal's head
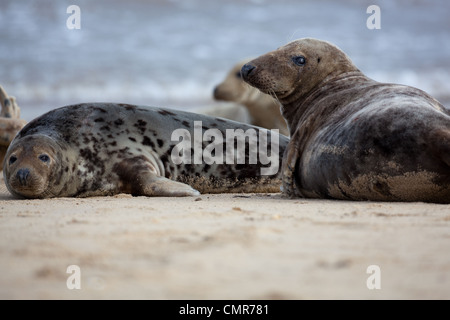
pixel 234 89
pixel 292 71
pixel 263 109
pixel 31 166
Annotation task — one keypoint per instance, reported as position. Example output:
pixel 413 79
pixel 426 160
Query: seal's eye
pixel 238 74
pixel 44 158
pixel 299 60
pixel 12 159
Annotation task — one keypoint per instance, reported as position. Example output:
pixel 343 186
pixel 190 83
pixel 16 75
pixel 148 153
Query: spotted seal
pixel 353 138
pixel 100 149
pixel 263 109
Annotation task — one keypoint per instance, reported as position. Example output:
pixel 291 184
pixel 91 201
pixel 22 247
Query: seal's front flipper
pixel 10 109
pixel 138 176
pixel 439 139
pixel 290 158
pixel 157 186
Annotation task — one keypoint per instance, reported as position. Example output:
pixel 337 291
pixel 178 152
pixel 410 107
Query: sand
pixel 226 246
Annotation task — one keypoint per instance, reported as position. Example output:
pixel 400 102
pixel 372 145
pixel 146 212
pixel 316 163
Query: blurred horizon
pixel 173 53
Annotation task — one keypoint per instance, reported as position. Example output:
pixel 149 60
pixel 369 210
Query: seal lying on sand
pixel 103 149
pixel 263 109
pixel 352 137
pixel 10 122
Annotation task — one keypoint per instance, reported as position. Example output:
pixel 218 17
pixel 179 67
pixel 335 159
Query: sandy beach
pixel 226 246
pixel 223 246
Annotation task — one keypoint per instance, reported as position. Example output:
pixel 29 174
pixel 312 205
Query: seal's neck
pixel 300 104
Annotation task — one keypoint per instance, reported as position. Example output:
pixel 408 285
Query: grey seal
pixel 100 149
pixel 353 138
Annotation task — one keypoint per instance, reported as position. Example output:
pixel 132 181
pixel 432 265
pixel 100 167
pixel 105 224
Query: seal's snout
pixel 221 93
pixel 246 70
pixel 22 175
pixel 216 93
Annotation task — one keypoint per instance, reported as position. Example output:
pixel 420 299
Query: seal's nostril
pixel 246 70
pixel 22 175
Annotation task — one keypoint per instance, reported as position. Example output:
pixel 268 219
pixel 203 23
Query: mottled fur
pixel 104 149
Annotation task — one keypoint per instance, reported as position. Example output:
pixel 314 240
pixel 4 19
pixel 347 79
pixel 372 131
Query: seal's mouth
pixel 281 94
pixel 30 192
pixel 284 94
pixel 263 83
pixel 25 184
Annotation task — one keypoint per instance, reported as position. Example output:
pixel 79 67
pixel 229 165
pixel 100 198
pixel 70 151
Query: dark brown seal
pixel 353 138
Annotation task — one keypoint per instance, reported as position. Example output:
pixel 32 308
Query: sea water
pixel 173 53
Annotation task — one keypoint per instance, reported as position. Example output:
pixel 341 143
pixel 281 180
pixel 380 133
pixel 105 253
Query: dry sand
pixel 227 246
